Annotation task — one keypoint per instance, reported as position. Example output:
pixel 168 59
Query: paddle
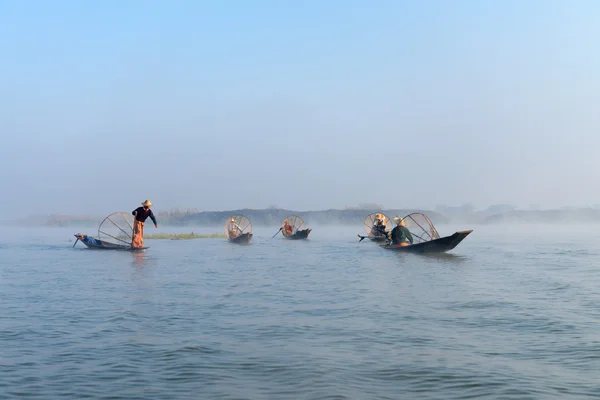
pixel 383 234
pixel 364 237
pixel 277 232
pixel 76 240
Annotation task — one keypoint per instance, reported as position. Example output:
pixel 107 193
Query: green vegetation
pixel 181 236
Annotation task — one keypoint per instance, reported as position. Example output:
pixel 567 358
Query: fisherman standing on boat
pixel 140 215
pixel 400 234
pixel 233 228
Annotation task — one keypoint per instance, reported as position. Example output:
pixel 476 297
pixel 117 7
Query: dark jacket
pixel 378 230
pixel 142 214
pixel 401 234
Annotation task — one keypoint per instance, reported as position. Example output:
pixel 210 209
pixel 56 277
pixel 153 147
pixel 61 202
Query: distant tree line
pixel 274 217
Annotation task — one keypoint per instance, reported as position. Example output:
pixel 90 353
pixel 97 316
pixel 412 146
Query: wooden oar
pixel 277 232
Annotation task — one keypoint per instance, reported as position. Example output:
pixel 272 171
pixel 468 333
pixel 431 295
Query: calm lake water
pixel 512 313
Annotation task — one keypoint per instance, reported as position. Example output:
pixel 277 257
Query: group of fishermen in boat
pixel 400 235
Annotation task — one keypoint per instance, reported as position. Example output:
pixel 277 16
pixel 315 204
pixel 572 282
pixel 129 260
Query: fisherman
pixel 378 228
pixel 400 234
pixel 233 228
pixel 140 215
pixel 287 228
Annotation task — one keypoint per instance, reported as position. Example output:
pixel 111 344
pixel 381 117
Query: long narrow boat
pixel 440 245
pixel 114 233
pixel 294 231
pixel 426 239
pixel 94 243
pixel 238 229
pixel 375 225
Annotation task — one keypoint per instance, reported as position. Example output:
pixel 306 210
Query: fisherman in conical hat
pixel 140 215
pixel 287 228
pixel 378 225
pixel 233 228
pixel 401 234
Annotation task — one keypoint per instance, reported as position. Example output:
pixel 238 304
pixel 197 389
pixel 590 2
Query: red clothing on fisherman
pixel 287 228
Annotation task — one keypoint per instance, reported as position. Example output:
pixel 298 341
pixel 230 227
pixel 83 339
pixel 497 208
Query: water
pixel 512 313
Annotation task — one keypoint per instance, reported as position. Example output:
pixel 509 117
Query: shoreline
pixel 332 217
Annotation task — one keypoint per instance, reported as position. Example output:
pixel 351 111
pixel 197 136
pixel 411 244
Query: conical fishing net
pixel 117 228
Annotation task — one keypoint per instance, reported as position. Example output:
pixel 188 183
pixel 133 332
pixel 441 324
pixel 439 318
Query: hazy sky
pixel 304 105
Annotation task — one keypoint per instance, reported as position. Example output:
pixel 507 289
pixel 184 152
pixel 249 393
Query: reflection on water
pixel 138 258
pixel 447 258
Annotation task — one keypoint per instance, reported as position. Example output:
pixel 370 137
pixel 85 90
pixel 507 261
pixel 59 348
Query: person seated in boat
pixel 140 215
pixel 401 234
pixel 233 228
pixel 378 228
pixel 287 228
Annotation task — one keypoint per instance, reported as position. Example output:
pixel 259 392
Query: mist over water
pixel 446 107
pixel 510 313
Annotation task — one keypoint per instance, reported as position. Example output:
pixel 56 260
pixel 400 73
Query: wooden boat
pixel 238 229
pixel 440 245
pixel 426 239
pixel 372 233
pixel 114 233
pixel 295 223
pixel 303 234
pixel 94 243
pixel 243 238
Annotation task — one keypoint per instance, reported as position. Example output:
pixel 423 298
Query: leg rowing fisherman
pixel 233 228
pixel 140 215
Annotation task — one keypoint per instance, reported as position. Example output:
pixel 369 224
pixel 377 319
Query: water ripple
pixel 323 319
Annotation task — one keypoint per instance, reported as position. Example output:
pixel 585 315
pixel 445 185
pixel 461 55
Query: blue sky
pixel 304 105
